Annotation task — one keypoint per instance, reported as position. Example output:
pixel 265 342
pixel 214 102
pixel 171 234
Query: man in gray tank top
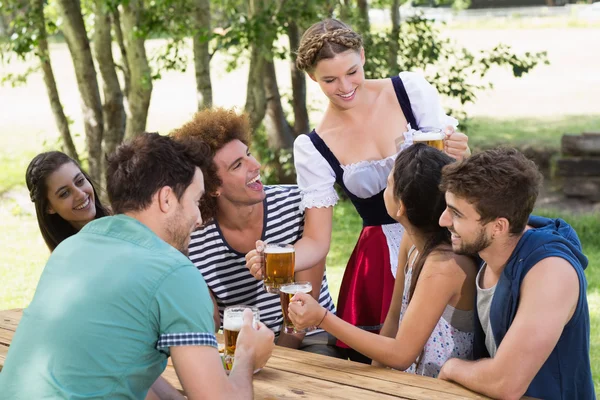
pixel 532 327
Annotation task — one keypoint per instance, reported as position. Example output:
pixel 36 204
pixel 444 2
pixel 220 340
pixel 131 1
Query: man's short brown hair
pixel 500 182
pixel 139 168
pixel 216 127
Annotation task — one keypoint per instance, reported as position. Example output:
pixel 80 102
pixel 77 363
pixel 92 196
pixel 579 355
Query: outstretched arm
pixel 437 285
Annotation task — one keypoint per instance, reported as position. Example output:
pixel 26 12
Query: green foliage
pixel 275 164
pixel 453 70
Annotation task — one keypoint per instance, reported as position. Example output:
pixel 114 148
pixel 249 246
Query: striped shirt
pixel 224 269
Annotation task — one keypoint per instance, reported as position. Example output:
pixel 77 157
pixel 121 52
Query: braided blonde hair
pixel 324 40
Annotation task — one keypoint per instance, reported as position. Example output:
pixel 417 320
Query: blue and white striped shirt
pixel 224 269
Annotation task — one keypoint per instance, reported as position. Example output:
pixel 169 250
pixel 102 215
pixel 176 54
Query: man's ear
pixel 501 227
pixel 165 198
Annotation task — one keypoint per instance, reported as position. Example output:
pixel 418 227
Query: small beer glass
pixel 286 292
pixel 233 319
pixel 431 137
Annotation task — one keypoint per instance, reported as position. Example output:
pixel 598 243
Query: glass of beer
pixel 279 265
pixel 233 319
pixel 286 292
pixel 431 137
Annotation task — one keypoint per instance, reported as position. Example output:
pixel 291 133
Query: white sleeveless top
pixel 452 336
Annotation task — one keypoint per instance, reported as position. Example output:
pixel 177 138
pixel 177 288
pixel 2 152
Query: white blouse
pixel 365 178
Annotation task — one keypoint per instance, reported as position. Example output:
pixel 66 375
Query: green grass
pixel 538 132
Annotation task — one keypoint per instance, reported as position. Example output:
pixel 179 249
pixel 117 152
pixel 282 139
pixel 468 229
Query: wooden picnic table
pixel 293 374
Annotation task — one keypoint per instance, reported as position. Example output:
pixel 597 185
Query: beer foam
pixel 293 289
pixel 234 323
pixel 278 250
pixel 423 136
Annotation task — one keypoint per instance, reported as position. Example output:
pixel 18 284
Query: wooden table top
pixel 294 374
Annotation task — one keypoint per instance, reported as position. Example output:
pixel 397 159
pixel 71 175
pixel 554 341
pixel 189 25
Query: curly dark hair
pixel 215 127
pixel 139 168
pixel 499 182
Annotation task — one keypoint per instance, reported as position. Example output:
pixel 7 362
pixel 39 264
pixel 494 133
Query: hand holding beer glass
pixel 286 293
pixel 246 335
pixel 279 261
pixel 305 312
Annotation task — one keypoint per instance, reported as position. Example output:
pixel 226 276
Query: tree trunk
pixel 44 55
pixel 79 47
pixel 363 13
pixel 345 11
pixel 301 122
pixel 138 100
pixel 256 101
pixel 394 38
pixel 202 54
pixel 124 66
pixel 279 131
pixel 114 112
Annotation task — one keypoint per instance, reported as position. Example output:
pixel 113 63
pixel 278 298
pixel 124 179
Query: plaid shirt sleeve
pixel 186 339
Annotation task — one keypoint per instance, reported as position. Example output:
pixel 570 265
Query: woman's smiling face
pixel 71 195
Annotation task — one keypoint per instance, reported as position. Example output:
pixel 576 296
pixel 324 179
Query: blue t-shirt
pixel 110 302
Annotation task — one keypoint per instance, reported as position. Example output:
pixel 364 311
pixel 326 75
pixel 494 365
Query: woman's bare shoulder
pixel 448 262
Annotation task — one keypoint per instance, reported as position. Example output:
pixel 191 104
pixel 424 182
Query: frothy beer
pixel 279 266
pixel 286 292
pixel 433 139
pixel 233 319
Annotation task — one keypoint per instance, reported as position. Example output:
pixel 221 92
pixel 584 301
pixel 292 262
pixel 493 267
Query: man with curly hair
pixel 239 210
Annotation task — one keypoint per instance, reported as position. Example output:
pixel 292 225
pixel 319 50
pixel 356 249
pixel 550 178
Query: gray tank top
pixel 484 303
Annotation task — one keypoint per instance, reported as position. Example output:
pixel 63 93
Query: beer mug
pixel 233 319
pixel 279 265
pixel 286 292
pixel 431 137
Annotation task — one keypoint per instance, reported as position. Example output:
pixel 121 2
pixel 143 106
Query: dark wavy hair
pixel 53 227
pixel 139 168
pixel 417 175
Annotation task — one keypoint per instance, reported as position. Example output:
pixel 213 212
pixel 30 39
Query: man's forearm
pixel 240 377
pixel 480 376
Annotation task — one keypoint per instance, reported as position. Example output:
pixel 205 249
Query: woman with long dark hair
pixel 64 196
pixel 431 314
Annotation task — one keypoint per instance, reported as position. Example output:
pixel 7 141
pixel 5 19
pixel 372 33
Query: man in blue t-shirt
pixel 532 328
pixel 120 297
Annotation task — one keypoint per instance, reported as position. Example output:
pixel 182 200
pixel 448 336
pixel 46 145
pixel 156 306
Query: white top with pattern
pixel 445 341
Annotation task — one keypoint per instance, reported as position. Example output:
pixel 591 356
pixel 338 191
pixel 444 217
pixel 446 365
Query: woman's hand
pixel 456 144
pixel 305 311
pixel 255 261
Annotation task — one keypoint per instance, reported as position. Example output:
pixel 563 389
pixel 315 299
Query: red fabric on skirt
pixel 368 283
